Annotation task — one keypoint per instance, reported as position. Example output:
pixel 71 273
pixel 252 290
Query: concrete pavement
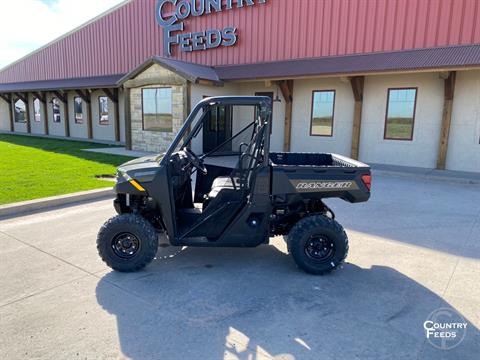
pixel 414 248
pixel 452 176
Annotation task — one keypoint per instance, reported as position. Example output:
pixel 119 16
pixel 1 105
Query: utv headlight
pixel 122 175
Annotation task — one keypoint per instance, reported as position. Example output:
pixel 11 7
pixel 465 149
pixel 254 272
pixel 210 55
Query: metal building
pixel 386 81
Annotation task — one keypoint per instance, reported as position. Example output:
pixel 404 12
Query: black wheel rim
pixel 319 248
pixel 125 245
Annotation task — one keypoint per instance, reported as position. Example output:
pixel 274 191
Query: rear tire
pixel 318 244
pixel 127 242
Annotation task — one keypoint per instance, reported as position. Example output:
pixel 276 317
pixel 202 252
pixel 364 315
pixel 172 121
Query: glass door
pixel 217 129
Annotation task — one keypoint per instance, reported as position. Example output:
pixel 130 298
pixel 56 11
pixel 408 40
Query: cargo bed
pixel 320 175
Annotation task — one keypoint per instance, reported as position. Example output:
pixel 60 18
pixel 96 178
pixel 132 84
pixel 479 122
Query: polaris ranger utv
pixel 242 194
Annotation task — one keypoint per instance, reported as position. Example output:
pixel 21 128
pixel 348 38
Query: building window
pixel 157 109
pixel 20 111
pixel 400 114
pixel 78 109
pixel 103 109
pixel 323 104
pixel 56 110
pixel 36 110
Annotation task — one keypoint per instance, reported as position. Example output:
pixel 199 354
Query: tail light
pixel 367 180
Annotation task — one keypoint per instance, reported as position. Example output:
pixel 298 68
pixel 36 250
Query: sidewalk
pixel 463 177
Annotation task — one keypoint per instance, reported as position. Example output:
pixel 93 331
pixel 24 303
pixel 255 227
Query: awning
pixel 108 81
pixel 443 58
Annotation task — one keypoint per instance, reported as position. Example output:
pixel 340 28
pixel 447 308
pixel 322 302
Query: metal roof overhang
pixel 428 59
pixel 425 59
pixel 97 82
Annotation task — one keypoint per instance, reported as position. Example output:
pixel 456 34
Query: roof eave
pixel 48 89
pixel 105 82
pixel 357 73
pixel 158 60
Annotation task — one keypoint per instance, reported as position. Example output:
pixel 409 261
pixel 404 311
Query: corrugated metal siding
pixel 278 30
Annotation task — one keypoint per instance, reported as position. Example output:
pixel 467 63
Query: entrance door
pixel 265 93
pixel 217 129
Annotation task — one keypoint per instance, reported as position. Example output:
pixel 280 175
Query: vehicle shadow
pixel 66 147
pixel 436 215
pixel 254 304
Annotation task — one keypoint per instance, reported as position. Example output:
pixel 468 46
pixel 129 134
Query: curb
pixel 33 206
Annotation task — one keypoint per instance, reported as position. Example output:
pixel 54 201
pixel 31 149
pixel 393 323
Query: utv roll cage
pixel 262 102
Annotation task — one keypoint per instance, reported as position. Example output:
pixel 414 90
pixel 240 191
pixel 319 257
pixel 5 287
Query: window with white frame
pixel 57 117
pixel 20 111
pixel 103 110
pixel 78 109
pixel 36 110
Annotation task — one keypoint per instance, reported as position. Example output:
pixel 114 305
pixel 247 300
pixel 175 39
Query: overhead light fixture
pixel 277 98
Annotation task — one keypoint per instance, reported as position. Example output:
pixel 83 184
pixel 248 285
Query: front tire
pixel 318 244
pixel 127 242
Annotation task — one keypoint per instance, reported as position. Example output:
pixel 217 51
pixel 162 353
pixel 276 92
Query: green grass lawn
pixel 33 167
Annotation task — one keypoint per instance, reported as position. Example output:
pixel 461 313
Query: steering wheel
pixel 195 160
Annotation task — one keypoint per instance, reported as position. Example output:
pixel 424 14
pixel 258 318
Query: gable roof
pixel 190 71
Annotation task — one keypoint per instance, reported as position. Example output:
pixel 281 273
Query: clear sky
pixel 323 103
pixel 26 25
pixel 401 103
pixel 157 101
